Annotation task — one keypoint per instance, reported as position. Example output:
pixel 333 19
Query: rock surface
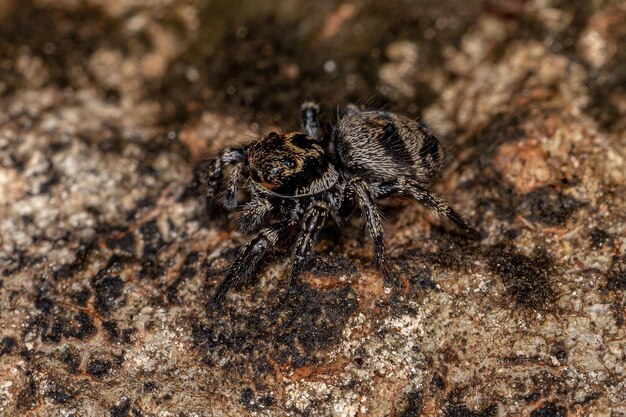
pixel 107 260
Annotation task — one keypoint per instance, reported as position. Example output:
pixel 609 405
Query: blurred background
pixel 257 61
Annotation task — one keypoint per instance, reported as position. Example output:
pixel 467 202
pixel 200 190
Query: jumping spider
pixel 369 155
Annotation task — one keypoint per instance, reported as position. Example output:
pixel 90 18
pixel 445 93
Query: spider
pixel 369 155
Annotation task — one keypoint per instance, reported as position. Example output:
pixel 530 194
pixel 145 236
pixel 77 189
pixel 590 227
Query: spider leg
pixel 421 194
pixel 229 196
pixel 347 203
pixel 248 259
pixel 253 213
pixel 309 118
pixel 374 224
pixel 310 225
pixel 212 173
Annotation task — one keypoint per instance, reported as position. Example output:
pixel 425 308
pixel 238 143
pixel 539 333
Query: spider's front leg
pixel 248 259
pixel 310 225
pixel 441 207
pixel 254 212
pixel 212 174
pixel 228 197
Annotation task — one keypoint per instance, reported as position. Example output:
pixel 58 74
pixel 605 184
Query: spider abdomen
pixel 382 146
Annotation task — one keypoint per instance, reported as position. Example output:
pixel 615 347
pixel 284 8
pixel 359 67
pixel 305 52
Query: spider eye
pixel 276 171
pixel 289 162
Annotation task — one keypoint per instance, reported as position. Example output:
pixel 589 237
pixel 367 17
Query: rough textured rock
pixel 108 257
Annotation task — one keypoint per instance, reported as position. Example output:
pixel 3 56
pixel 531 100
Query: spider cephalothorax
pixel 369 155
pixel 291 165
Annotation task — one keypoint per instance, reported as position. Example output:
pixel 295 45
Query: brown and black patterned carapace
pixel 291 165
pixel 369 155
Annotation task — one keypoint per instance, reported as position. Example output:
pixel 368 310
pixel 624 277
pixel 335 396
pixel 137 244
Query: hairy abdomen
pixel 381 146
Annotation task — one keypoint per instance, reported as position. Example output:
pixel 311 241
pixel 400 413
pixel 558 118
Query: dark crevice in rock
pixel 527 279
pixel 458 410
pixel 616 275
pixel 60 395
pixel 99 368
pixel 414 406
pixel 122 408
pixel 302 324
pixel 8 345
pixel 549 206
pixel 549 410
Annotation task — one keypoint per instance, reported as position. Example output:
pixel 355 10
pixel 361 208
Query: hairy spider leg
pixel 248 258
pixel 310 225
pixel 347 203
pixel 309 118
pixel 213 174
pixel 228 198
pixel 254 213
pixel 411 188
pixel 374 224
